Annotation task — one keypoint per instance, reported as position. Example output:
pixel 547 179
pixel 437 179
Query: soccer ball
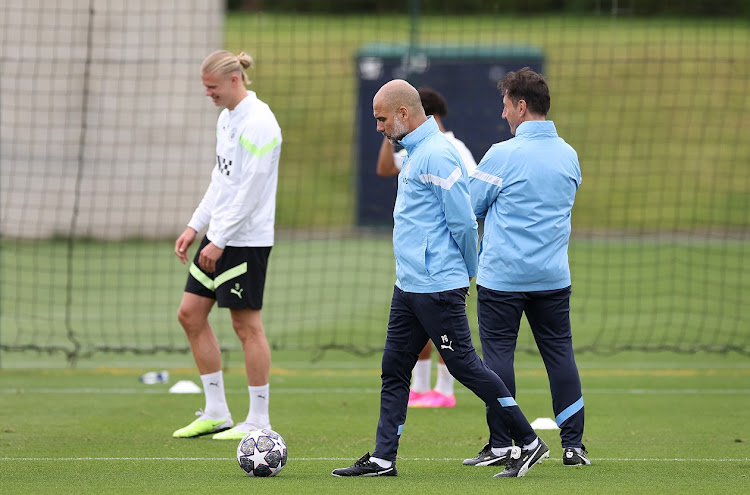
pixel 262 453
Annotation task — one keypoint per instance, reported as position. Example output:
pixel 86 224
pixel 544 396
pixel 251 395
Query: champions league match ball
pixel 262 453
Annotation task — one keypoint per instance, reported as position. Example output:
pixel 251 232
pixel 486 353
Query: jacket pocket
pixel 426 258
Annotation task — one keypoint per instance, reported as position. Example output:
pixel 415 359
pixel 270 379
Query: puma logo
pixel 237 290
pixel 446 343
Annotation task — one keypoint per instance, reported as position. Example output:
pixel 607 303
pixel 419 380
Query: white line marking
pixel 337 459
pixel 163 390
pixel 583 367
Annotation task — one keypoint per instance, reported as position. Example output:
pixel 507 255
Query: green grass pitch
pixel 660 423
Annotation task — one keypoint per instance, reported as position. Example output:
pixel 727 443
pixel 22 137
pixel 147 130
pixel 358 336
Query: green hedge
pixel 604 7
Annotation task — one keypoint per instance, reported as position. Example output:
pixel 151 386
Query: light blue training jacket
pixel 526 187
pixel 434 228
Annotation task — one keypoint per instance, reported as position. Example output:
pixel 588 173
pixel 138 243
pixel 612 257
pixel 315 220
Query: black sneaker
pixel 365 467
pixel 485 457
pixel 520 460
pixel 575 456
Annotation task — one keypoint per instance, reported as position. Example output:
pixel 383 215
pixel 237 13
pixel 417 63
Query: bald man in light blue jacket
pixel 435 244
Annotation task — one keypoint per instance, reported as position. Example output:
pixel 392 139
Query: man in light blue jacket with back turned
pixel 434 241
pixel 526 187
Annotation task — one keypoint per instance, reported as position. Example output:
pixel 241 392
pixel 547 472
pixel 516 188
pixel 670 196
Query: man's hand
pixel 208 257
pixel 386 166
pixel 183 243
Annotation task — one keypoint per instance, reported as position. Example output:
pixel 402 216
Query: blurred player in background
pixel 526 187
pixel 390 161
pixel 229 267
pixel 435 245
pixel 389 164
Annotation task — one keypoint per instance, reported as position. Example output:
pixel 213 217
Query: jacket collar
pixel 245 104
pixel 536 127
pixel 416 136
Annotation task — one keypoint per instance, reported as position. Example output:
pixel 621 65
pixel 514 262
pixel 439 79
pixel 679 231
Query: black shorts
pixel 238 281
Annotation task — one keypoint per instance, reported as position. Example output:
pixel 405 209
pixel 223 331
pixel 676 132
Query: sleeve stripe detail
pixel 255 150
pixel 485 177
pixel 439 181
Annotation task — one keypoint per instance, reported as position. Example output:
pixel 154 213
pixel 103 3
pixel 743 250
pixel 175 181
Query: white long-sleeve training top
pixel 239 206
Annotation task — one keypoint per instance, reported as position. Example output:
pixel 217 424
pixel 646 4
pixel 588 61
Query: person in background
pixel 229 268
pixel 525 188
pixel 389 164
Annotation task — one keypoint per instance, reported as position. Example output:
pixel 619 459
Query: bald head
pixel 398 109
pixel 399 93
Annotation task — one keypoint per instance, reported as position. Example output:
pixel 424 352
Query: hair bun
pixel 246 61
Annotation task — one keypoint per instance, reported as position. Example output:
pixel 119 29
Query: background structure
pixel 106 146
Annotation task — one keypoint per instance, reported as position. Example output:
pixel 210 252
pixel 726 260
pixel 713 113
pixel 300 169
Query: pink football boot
pixel 415 396
pixel 433 398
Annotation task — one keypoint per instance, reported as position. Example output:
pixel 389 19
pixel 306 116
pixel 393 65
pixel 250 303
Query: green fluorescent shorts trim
pixel 201 277
pixel 230 274
pixel 225 276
